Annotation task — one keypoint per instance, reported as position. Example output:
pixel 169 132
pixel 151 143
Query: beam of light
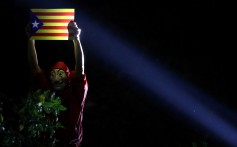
pixel 165 85
pixel 161 82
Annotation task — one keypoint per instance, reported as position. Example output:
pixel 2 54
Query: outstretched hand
pixel 74 30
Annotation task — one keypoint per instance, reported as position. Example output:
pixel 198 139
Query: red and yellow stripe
pixel 55 23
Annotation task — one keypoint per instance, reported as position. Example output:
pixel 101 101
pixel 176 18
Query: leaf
pixel 56 101
pixel 62 108
pixel 48 104
pixel 22 110
pixel 59 125
pixel 21 127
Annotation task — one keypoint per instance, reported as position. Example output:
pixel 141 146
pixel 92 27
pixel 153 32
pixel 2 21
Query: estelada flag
pixel 50 24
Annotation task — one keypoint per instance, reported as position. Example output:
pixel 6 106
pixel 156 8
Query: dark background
pixel 192 38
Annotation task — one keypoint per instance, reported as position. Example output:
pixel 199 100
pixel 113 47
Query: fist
pixel 73 30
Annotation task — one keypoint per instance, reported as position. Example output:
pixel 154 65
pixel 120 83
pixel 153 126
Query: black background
pixel 192 38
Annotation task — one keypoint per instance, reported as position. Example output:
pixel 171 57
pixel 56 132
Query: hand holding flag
pixel 50 24
pixel 73 30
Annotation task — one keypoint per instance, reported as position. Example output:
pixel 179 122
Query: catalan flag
pixel 50 24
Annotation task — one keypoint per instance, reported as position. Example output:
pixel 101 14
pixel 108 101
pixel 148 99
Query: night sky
pixel 189 37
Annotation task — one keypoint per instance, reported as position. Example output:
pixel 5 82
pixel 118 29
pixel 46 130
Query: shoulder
pixel 73 75
pixel 78 77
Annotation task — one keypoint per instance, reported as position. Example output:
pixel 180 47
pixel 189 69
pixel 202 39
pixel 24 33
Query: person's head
pixel 59 76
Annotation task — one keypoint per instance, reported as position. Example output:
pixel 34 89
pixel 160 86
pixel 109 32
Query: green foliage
pixel 35 120
pixel 199 144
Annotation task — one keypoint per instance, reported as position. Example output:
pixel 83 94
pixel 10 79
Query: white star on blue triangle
pixel 36 23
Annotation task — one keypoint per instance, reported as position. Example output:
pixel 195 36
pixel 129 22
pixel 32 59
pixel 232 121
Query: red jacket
pixel 73 98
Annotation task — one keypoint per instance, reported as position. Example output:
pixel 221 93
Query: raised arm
pixel 78 50
pixel 31 53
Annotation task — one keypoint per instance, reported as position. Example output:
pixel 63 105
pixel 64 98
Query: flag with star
pixel 50 24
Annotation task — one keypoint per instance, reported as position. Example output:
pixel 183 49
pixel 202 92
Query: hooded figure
pixel 59 76
pixel 70 86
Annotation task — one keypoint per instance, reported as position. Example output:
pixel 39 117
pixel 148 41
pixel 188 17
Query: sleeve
pixel 79 90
